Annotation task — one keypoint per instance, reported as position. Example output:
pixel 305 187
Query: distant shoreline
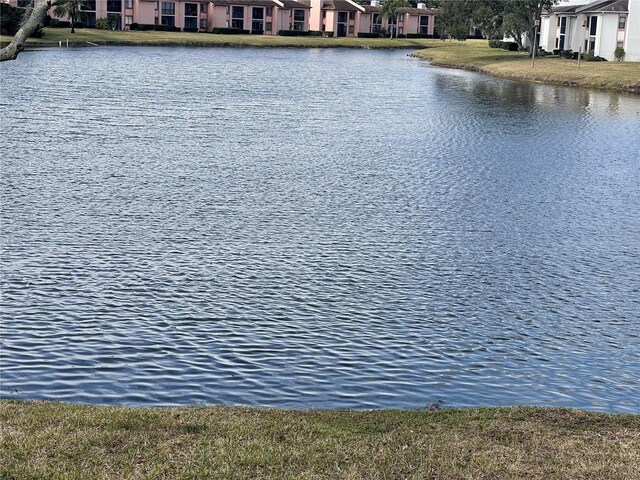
pixel 473 55
pixel 56 440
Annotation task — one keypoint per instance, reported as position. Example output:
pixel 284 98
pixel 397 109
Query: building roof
pixel 416 11
pixel 605 6
pixel 288 4
pixel 565 9
pixel 342 5
pixel 293 4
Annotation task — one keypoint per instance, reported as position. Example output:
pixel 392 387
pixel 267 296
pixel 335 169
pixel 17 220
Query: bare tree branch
pixel 33 19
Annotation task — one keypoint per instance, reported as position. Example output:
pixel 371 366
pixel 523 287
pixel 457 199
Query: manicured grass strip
pixel 185 39
pixel 54 440
pixel 477 56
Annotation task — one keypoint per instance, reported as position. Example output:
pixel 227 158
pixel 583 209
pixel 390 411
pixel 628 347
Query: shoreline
pixel 58 440
pixel 539 77
pixel 471 55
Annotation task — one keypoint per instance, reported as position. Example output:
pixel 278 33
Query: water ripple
pixel 314 229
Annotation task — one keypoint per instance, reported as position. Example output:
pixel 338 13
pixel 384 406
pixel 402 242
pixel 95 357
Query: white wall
pixel 608 36
pixel 632 41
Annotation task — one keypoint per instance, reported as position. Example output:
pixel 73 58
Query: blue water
pixel 314 229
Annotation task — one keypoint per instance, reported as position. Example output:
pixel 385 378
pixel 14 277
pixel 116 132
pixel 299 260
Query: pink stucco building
pixel 340 18
pixel 347 18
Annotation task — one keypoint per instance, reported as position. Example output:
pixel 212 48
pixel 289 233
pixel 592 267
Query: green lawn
pixel 54 440
pixel 477 56
pixel 107 37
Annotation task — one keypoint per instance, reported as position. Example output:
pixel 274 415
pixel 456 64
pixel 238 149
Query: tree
pixel 390 9
pixel 515 18
pixel 522 17
pixel 71 9
pixel 32 21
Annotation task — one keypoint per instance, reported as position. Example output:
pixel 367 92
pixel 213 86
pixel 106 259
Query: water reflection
pixel 493 93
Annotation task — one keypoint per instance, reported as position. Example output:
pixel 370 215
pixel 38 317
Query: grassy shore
pixel 54 440
pixel 184 39
pixel 470 55
pixel 476 55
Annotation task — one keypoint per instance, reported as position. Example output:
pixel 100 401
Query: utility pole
pixel 534 46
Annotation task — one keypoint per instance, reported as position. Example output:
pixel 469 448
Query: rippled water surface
pixel 314 228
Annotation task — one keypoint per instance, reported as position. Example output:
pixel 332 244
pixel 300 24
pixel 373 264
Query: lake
pixel 314 229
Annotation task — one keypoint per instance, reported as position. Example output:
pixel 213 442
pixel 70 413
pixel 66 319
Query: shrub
pixel 62 24
pixel 590 57
pixel 315 33
pixel 510 46
pixel 418 35
pixel 619 54
pixel 133 26
pixel 102 24
pixel 369 35
pixel 166 28
pixel 191 30
pixel 566 54
pixel 496 43
pixel 144 26
pixel 293 33
pixel 327 34
pixel 228 31
pixel 542 53
pixel 111 22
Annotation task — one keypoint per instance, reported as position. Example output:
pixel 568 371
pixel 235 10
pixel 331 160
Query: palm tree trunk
pixel 73 23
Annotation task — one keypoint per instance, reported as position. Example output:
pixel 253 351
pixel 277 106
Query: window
pixel 128 4
pixel 298 20
pixel 268 26
pixel 424 25
pixel 24 3
pixel 593 28
pixel 563 31
pixel 352 15
pixel 191 23
pixel 203 24
pixel 350 28
pixel 128 19
pixel 168 8
pixel 376 24
pixel 324 14
pixel 622 23
pixel 90 19
pixel 190 9
pixel 620 45
pixel 257 20
pixel 89 5
pixel 269 11
pixel 168 14
pixel 237 17
pixel 400 30
pixel 203 8
pixel 342 24
pixel 593 25
pixel 114 6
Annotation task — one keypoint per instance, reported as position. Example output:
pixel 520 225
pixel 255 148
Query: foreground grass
pixel 477 56
pixel 54 440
